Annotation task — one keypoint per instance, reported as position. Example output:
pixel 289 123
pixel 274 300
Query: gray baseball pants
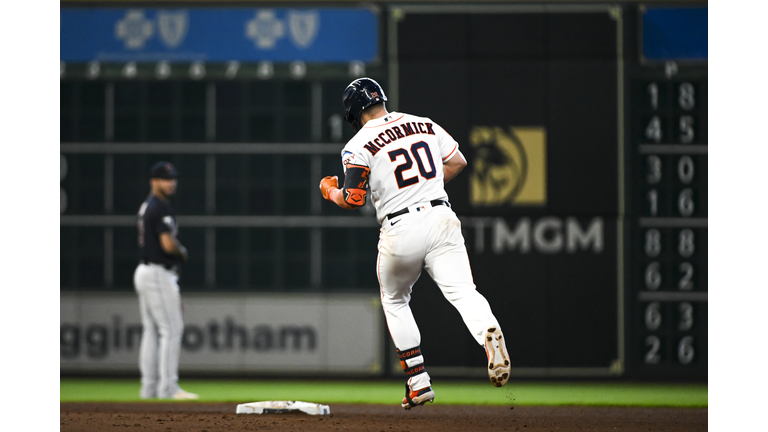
pixel 160 309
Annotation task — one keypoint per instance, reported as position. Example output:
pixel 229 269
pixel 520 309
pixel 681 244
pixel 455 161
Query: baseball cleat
pixel 184 395
pixel 417 397
pixel 498 359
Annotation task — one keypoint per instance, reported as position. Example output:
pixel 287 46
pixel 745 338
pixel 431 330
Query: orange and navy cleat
pixel 417 397
pixel 498 359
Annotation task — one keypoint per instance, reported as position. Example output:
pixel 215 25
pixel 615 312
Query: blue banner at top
pixel 675 33
pixel 218 35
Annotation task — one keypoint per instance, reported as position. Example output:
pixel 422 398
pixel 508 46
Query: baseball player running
pixel 156 280
pixel 404 161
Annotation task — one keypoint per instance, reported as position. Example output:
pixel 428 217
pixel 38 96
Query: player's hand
pixel 326 184
pixel 184 254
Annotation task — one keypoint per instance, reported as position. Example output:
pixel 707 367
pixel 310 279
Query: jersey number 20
pixel 401 182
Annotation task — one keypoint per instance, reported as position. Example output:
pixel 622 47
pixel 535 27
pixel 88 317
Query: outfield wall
pixel 324 333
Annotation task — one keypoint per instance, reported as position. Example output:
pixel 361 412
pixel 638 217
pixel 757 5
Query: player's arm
pixel 163 226
pixel 172 246
pixel 453 166
pixel 354 192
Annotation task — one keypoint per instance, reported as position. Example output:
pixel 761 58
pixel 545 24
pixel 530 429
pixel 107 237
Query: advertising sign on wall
pixel 218 35
pixel 230 332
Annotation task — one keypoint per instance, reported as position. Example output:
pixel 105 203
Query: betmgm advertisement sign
pixel 510 169
pixel 510 166
pixel 230 333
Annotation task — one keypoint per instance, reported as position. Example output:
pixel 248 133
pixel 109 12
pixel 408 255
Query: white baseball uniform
pixel 401 156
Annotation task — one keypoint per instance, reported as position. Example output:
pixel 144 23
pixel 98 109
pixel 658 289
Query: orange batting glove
pixel 327 184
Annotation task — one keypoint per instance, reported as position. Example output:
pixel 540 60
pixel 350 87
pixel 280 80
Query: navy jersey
pixel 156 217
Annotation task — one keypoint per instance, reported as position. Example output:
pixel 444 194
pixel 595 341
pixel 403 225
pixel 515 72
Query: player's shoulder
pixel 356 144
pixel 156 206
pixel 411 118
pixel 439 130
pixel 416 118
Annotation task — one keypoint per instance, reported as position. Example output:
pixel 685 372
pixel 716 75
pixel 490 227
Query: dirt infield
pixel 202 417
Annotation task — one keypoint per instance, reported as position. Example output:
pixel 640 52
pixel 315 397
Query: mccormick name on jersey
pixel 396 132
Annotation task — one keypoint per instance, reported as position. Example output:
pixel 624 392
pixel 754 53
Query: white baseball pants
pixel 160 308
pixel 430 238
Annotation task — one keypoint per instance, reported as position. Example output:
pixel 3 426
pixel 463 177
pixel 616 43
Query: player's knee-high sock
pixel 412 363
pixel 405 333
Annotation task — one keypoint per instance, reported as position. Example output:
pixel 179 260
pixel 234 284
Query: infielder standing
pixel 156 280
pixel 405 160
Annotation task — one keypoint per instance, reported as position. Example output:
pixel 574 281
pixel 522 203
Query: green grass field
pixel 390 392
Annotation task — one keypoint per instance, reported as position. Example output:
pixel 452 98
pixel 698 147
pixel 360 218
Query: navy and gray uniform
pixel 156 281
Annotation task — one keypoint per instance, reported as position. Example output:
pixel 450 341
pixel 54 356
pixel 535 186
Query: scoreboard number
pixel 653 242
pixel 653 130
pixel 653 198
pixel 685 350
pixel 652 356
pixel 685 202
pixel 686 129
pixel 653 90
pixel 686 246
pixel 93 69
pixel 130 70
pixel 232 68
pixel 652 316
pixel 686 98
pixel 654 169
pixel 684 169
pixel 686 282
pixel 197 70
pixel 162 70
pixel 652 276
pixel 686 317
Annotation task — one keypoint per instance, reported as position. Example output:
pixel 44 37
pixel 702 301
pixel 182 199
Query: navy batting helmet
pixel 359 95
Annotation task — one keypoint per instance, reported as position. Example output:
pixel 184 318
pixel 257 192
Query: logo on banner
pixel 265 29
pixel 134 29
pixel 173 27
pixel 304 27
pixel 509 167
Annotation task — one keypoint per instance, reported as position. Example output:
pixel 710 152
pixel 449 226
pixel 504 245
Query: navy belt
pixel 173 267
pixel 434 203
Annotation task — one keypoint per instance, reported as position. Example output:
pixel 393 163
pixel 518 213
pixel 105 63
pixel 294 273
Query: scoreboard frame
pixel 616 12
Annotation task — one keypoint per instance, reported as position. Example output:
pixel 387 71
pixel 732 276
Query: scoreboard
pixel 667 212
pixel 562 81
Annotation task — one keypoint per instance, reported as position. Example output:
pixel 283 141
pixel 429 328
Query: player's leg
pixel 148 353
pixel 399 264
pixel 149 339
pixel 448 264
pixel 171 328
pixel 163 302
